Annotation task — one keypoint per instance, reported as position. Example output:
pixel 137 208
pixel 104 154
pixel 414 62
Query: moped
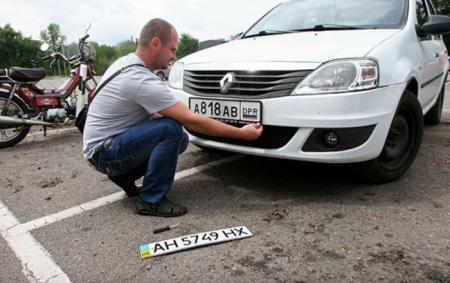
pixel 24 104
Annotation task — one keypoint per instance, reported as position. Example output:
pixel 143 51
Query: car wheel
pixel 401 145
pixel 161 75
pixel 433 117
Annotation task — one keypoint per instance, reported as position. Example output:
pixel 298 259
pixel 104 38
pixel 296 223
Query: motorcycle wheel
pixel 12 134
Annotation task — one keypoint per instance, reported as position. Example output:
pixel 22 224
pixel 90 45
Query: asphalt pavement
pixel 61 221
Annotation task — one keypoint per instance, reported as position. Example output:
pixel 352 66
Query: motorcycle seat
pixel 2 72
pixel 25 75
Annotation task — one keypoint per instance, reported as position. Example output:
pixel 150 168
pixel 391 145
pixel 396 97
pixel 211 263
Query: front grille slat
pixel 197 86
pixel 285 75
pixel 239 81
pixel 192 80
pixel 204 76
pixel 247 84
pixel 266 89
pixel 283 81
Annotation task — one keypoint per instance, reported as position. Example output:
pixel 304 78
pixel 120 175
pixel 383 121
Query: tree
pixel 53 37
pixel 187 45
pixel 17 50
pixel 125 47
pixel 104 56
pixel 443 8
pixel 71 49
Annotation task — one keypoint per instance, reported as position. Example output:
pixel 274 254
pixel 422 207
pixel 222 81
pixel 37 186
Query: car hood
pixel 311 47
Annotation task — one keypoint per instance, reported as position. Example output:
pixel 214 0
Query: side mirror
pixel 44 47
pixel 436 24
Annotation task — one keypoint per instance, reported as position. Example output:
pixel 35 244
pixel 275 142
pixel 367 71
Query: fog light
pixel 330 139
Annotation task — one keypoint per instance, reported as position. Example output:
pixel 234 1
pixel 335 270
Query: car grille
pixel 247 84
pixel 272 137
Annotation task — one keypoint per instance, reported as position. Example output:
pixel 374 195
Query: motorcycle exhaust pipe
pixel 15 121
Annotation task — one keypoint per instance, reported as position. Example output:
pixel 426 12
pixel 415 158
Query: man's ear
pixel 155 42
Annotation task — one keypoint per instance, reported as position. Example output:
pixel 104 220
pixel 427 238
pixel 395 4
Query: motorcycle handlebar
pixel 52 62
pixel 81 44
pixel 55 56
pixel 72 60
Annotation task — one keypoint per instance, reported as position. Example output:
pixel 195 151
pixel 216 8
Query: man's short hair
pixel 155 28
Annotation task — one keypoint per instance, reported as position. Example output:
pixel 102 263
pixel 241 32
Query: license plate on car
pixel 227 110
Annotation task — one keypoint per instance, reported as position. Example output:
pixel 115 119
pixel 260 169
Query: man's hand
pixel 251 131
pixel 207 126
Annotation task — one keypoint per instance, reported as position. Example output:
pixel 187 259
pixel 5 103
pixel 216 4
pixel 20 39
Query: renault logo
pixel 226 82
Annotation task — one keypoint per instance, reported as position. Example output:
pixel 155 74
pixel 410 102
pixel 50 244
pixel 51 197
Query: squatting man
pixel 134 126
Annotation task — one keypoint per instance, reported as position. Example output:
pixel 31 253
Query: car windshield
pixel 303 15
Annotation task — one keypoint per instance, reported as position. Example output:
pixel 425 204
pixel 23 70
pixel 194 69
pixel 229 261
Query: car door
pixel 430 56
pixel 441 49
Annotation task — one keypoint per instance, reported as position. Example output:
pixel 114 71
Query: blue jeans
pixel 148 149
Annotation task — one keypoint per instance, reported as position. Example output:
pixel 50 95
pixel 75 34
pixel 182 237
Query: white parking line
pixel 37 264
pixel 52 218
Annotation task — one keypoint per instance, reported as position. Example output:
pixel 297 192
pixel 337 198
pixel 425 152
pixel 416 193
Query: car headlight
pixel 176 76
pixel 340 76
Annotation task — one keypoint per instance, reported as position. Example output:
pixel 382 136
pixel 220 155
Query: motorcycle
pixel 24 104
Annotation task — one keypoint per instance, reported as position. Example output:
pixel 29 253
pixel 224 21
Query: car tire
pixel 433 117
pixel 401 145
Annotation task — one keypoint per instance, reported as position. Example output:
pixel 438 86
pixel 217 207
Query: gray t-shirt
pixel 131 97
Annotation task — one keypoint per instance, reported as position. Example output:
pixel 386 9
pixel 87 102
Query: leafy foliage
pixel 443 8
pixel 125 47
pixel 53 37
pixel 105 56
pixel 17 50
pixel 187 45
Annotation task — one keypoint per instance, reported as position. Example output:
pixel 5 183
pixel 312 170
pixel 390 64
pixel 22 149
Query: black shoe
pixel 165 208
pixel 126 184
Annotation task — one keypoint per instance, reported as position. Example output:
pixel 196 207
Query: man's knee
pixel 173 127
pixel 184 142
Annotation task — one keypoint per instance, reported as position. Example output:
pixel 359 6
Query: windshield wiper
pixel 269 32
pixel 324 27
pixel 321 27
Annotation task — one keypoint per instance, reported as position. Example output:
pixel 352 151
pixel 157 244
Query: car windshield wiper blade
pixel 324 27
pixel 269 32
pixel 321 27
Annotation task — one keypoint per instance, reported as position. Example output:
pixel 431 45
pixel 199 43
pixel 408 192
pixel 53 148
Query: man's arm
pixel 207 126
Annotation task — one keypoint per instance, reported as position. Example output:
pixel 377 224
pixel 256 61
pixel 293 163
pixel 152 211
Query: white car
pixel 343 81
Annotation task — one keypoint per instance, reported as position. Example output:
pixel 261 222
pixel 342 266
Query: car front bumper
pixel 307 113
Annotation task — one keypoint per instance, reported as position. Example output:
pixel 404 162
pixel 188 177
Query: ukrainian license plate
pixel 227 110
pixel 193 241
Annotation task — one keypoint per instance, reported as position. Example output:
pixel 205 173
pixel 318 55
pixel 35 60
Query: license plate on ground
pixel 227 110
pixel 193 241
